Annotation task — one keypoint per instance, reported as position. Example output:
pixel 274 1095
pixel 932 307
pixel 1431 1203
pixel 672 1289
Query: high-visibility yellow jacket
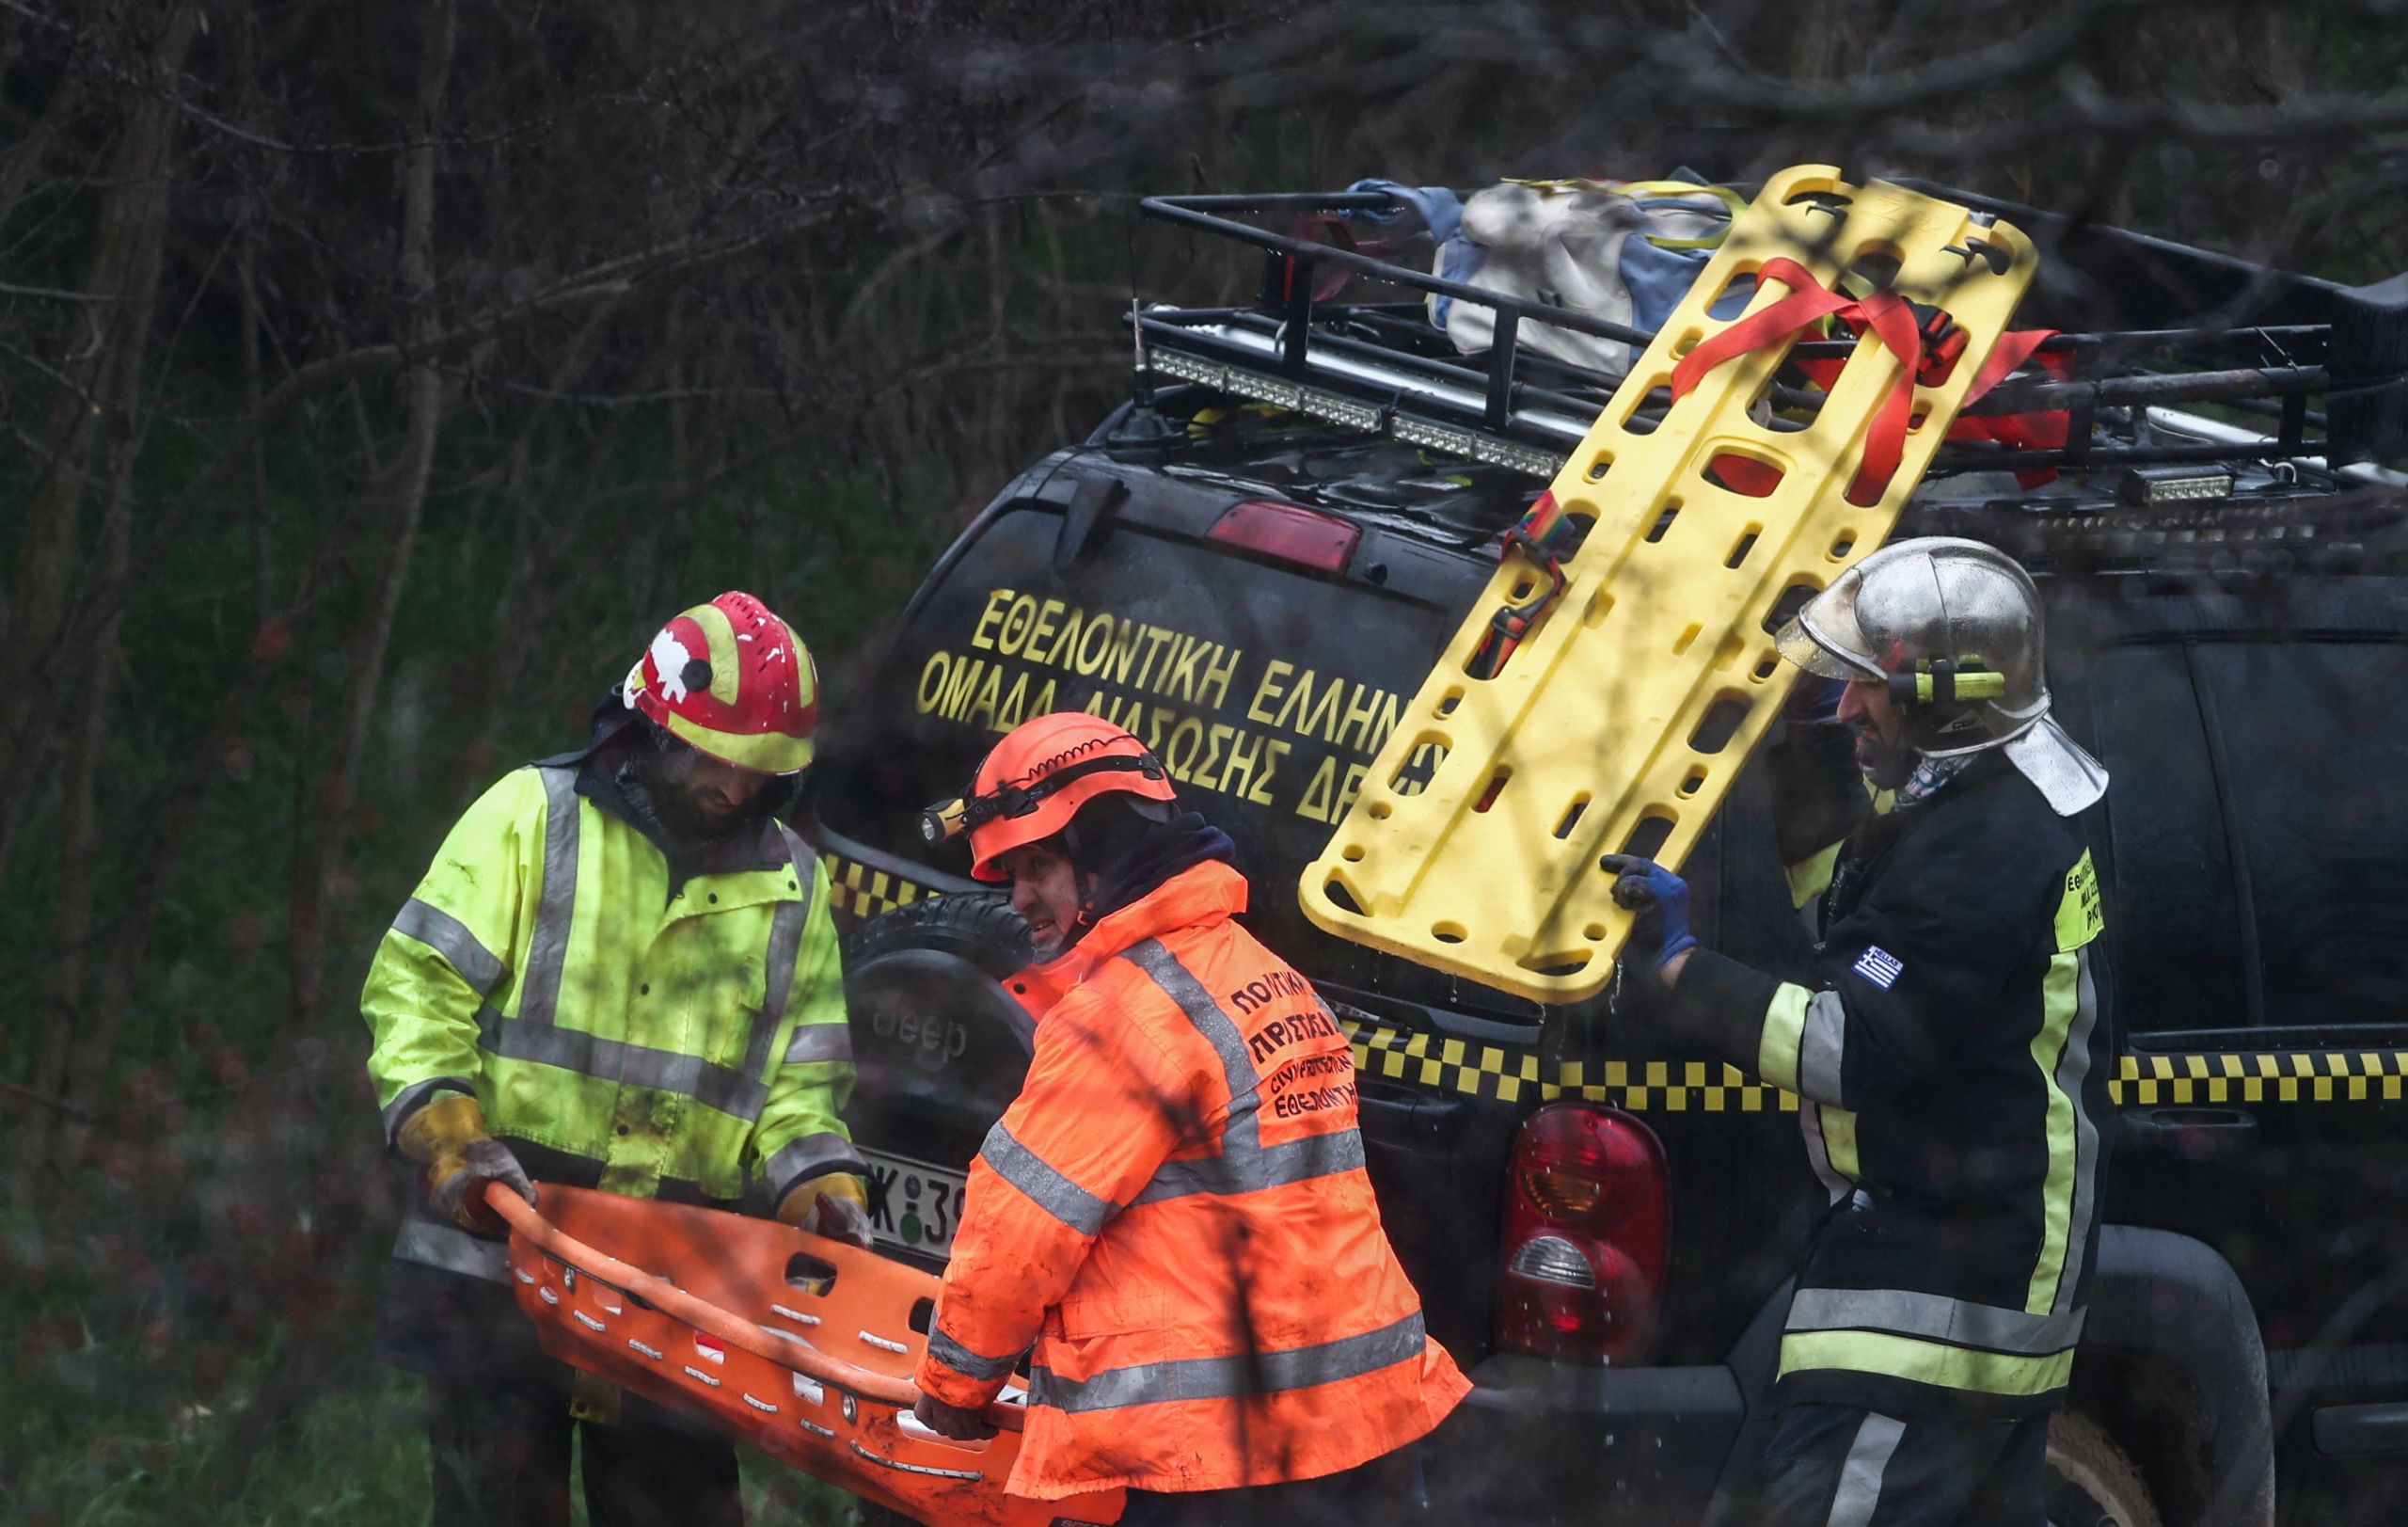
pixel 1174 1211
pixel 619 1033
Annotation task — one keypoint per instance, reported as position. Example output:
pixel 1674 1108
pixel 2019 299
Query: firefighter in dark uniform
pixel 1948 1047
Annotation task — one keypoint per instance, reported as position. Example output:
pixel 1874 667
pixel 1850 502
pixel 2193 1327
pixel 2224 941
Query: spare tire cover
pixel 940 1046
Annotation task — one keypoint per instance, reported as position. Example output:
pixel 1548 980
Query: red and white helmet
pixel 732 680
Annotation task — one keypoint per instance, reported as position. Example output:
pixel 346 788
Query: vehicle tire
pixel 983 929
pixel 2090 1482
pixel 940 1044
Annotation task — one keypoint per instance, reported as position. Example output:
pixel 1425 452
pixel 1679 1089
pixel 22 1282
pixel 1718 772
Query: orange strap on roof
pixel 2045 429
pixel 1530 537
pixel 1890 318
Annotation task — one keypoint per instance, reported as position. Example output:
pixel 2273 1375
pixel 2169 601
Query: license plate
pixel 912 1205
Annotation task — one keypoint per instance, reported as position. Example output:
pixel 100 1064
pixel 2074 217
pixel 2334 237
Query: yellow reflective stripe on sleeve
pixel 1811 878
pixel 1839 1142
pixel 2060 995
pixel 1924 1362
pixel 2081 917
pixel 1784 1027
pixel 1810 1130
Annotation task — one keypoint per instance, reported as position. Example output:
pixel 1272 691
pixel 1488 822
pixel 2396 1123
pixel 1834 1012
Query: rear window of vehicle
pixel 1265 690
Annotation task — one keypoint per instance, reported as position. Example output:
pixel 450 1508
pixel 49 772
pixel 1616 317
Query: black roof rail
pixel 2186 326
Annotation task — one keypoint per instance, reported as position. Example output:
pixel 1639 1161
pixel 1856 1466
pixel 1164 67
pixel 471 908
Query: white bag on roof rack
pixel 1626 251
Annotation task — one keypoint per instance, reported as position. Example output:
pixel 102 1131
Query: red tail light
pixel 1585 1221
pixel 1288 533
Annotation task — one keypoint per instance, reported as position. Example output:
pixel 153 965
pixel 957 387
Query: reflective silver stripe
pixel 814 1155
pixel 547 948
pixel 1241 1135
pixel 819 1042
pixel 966 1362
pixel 1065 1200
pixel 450 937
pixel 453 1249
pixel 2073 1069
pixel 1180 984
pixel 786 937
pixel 1935 1316
pixel 785 943
pixel 414 1097
pixel 1245 1165
pixel 1868 1459
pixel 1820 1046
pixel 615 1060
pixel 1274 1166
pixel 1231 1377
pixel 1810 1124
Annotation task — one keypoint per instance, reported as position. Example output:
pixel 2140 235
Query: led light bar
pixel 1336 408
pixel 2151 486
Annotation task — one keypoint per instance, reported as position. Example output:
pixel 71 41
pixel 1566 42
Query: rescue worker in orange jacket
pixel 1174 1213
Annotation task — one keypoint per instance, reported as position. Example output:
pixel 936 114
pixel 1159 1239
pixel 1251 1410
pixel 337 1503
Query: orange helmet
pixel 1036 779
pixel 732 680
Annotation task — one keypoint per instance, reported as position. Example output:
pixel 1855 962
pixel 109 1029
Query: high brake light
pixel 1287 533
pixel 1585 1235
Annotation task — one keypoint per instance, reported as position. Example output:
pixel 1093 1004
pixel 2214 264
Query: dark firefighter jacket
pixel 1953 1062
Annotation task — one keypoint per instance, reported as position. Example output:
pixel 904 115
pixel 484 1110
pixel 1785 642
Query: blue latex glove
pixel 1660 900
pixel 1813 701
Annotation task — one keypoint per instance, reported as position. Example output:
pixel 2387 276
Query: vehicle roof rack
pixel 2325 365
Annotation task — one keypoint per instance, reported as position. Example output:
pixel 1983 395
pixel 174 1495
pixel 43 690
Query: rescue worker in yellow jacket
pixel 619 973
pixel 1174 1213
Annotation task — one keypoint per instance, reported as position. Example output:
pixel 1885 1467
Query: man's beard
pixel 1885 766
pixel 670 808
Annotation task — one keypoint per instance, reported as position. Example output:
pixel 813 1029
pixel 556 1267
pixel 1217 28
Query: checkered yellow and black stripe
pixel 2278 1077
pixel 1513 1075
pixel 862 893
pixel 1516 1076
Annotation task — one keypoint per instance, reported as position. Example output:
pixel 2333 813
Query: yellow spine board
pixel 1627 712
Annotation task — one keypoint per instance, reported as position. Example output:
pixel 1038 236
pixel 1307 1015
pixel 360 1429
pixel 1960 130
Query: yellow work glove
pixel 448 1137
pixel 835 1205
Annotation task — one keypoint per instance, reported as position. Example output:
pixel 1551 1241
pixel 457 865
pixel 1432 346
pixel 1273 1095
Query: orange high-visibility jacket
pixel 1173 1212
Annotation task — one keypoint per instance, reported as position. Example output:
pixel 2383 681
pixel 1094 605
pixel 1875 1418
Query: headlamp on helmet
pixel 1038 778
pixel 964 814
pixel 1939 681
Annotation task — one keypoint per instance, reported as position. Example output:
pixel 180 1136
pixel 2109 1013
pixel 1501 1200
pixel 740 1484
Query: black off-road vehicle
pixel 1254 564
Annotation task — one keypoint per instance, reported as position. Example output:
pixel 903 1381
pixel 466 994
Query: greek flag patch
pixel 1879 966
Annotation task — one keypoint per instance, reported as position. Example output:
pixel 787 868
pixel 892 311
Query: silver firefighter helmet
pixel 1950 604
